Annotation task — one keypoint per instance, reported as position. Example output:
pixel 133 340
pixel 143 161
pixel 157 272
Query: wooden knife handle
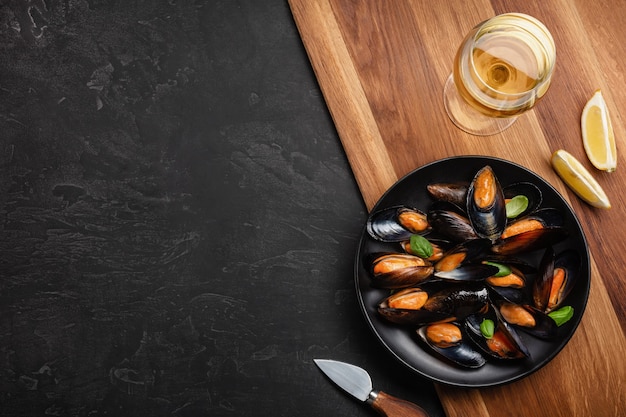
pixel 390 406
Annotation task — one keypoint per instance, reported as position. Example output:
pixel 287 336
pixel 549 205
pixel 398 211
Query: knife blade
pixel 357 382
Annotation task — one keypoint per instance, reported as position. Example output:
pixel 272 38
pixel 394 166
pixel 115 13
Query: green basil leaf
pixel 516 206
pixel 421 247
pixel 487 327
pixel 562 315
pixel 503 270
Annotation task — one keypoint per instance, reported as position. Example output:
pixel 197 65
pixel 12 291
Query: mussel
pixel 407 307
pixel 452 192
pixel 456 193
pixel 458 263
pixel 533 195
pixel 447 339
pixel 537 230
pixel 511 286
pixel 528 319
pixel 451 222
pixel 417 306
pixel 398 270
pixel 440 247
pixel 505 343
pixel 459 301
pixel 556 278
pixel 485 204
pixel 398 223
pixel 510 283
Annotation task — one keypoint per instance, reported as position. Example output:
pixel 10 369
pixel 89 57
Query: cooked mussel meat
pixel 398 270
pixel 485 204
pixel 458 263
pixel 510 283
pixel 513 279
pixel 398 223
pixel 417 306
pixel 504 343
pixel 407 306
pixel 537 230
pixel 528 319
pixel 556 278
pixel 447 339
pixel 439 246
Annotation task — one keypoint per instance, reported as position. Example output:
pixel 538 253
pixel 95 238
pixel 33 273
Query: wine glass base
pixel 466 118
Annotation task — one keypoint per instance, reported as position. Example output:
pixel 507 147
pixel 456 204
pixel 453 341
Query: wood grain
pixel 382 65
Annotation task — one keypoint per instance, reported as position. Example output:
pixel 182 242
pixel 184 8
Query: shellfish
pixel 397 223
pixel 528 319
pixel 485 204
pixel 555 279
pixel 447 340
pixel 451 222
pixel 505 343
pixel 417 306
pixel 398 270
pixel 537 230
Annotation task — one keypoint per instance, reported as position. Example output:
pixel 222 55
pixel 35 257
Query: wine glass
pixel 501 69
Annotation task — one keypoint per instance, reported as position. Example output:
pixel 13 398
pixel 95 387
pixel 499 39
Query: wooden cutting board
pixel 382 64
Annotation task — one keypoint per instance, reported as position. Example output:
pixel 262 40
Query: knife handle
pixel 390 406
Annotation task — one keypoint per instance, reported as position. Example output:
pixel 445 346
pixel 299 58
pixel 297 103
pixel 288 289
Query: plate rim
pixel 538 365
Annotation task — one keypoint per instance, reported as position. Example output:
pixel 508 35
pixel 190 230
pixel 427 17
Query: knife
pixel 357 382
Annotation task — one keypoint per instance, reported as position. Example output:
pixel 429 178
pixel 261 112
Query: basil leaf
pixel 503 270
pixel 516 206
pixel 562 315
pixel 487 328
pixel 421 247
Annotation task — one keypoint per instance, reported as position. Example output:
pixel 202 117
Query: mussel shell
pixel 440 247
pixel 452 192
pixel 406 316
pixel 384 225
pixel 451 222
pixel 570 261
pixel 515 344
pixel 548 217
pixel 551 232
pixel 467 272
pixel 444 304
pixel 458 301
pixel 513 262
pixel 461 353
pixel 512 293
pixel 530 241
pixel 400 276
pixel 527 189
pixel 489 221
pixel 543 281
pixel 543 326
pixel 467 269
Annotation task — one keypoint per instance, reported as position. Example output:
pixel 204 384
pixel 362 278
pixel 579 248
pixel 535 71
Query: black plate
pixel 402 342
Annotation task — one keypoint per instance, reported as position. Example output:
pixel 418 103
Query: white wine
pixel 504 65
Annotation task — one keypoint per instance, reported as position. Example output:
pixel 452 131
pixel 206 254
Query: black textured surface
pixel 179 221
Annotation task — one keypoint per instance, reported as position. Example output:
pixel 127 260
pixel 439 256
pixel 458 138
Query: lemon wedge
pixel 597 132
pixel 574 174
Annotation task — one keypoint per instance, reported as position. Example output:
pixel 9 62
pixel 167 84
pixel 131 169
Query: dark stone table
pixel 179 220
